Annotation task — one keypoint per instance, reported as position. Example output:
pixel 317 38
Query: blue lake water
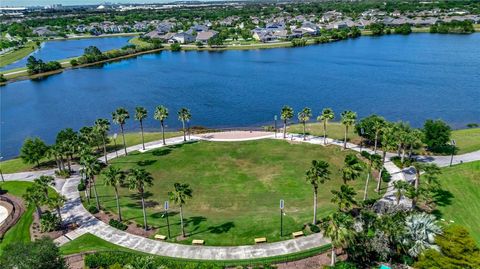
pixel 411 78
pixel 63 49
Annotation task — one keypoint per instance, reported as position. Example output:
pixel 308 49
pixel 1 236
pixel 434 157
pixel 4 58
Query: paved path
pixel 73 211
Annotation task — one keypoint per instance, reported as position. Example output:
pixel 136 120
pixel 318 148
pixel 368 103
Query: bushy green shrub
pixel 49 222
pixel 74 62
pixel 175 47
pixel 92 209
pixel 81 186
pixel 117 224
pixel 64 173
pixel 314 228
pixel 386 177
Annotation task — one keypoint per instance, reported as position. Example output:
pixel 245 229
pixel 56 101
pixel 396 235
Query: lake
pixel 64 49
pixel 411 78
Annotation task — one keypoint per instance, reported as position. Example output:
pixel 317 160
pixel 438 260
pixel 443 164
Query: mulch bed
pixel 35 232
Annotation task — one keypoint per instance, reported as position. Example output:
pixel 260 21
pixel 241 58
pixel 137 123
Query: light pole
pixel 115 143
pixel 275 126
pixel 165 205
pixel 453 150
pixel 1 173
pixel 282 205
pixel 362 131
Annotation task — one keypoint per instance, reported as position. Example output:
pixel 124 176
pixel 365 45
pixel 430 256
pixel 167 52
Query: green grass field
pixel 467 140
pixel 335 130
pixel 461 201
pixel 89 242
pixel 236 186
pixel 18 54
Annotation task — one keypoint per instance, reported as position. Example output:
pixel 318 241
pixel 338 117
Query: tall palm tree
pixel 286 115
pixel 375 161
pixel 352 169
pixel 34 197
pixel 327 114
pixel 338 227
pixel 91 168
pixel 421 229
pixel 388 144
pixel 179 196
pixel 377 128
pixel 139 179
pixel 102 126
pixel 317 174
pixel 56 202
pixel 114 177
pixel 161 114
pixel 303 117
pixel 184 115
pixel 120 117
pixel 140 115
pixel 400 187
pixel 348 119
pixel 43 183
pixel 414 140
pixel 344 198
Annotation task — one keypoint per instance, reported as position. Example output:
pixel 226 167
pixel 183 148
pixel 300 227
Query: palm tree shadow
pixel 223 228
pixel 146 162
pixel 443 197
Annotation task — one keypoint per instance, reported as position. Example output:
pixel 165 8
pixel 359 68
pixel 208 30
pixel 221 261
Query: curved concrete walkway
pixel 73 211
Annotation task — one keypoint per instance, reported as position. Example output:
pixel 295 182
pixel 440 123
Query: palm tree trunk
pixel 39 211
pixel 314 207
pixel 325 132
pixel 304 131
pixel 417 179
pixel 376 143
pixel 379 183
pixel 143 140
pixel 118 204
pixel 59 214
pixel 69 163
pixel 398 149
pixel 332 263
pixel 183 127
pixel 181 221
pixel 403 154
pixel 96 194
pixel 105 149
pixel 163 132
pixel 410 151
pixel 345 141
pixel 144 212
pixel 285 129
pixel 365 194
pixel 124 142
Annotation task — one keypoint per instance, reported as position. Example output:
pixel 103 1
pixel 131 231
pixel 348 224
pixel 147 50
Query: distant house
pixel 182 38
pixel 43 31
pixel 205 36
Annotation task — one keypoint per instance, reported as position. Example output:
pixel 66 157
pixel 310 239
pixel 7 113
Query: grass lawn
pixel 461 202
pixel 18 54
pixel 335 130
pixel 468 140
pixel 89 242
pixel 236 188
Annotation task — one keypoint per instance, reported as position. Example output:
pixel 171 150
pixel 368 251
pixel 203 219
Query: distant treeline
pixel 37 66
pixel 459 27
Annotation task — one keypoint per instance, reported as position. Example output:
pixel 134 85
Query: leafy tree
pixel 352 168
pixel 317 174
pixel 102 126
pixel 338 227
pixel 39 254
pixel 140 115
pixel 421 230
pixel 175 47
pixel 436 135
pixel 35 196
pixel 114 177
pixel 179 196
pixel 92 50
pixel 120 117
pixel 33 150
pixel 345 198
pixel 327 114
pixel 184 115
pixel 161 114
pixel 139 179
pixel 286 115
pixel 348 119
pixel 303 117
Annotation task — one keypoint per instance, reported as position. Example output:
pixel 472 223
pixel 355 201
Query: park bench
pixel 298 234
pixel 198 242
pixel 160 237
pixel 260 240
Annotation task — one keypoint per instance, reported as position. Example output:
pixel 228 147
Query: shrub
pixel 437 135
pixel 386 177
pixel 49 222
pixel 2 78
pixel 314 228
pixel 92 209
pixel 117 224
pixel 81 186
pixel 74 62
pixel 64 173
pixel 175 47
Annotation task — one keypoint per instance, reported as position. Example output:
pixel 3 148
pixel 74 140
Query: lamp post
pixel 165 205
pixel 1 173
pixel 115 143
pixel 453 150
pixel 275 125
pixel 282 205
pixel 362 131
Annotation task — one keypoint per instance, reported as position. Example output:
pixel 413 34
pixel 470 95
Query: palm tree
pixel 43 183
pixel 120 117
pixel 327 114
pixel 421 229
pixel 57 202
pixel 102 126
pixel 140 115
pixel 286 115
pixel 91 168
pixel 114 177
pixel 430 173
pixel 338 227
pixel 139 179
pixel 184 115
pixel 344 198
pixel 179 196
pixel 348 119
pixel 388 144
pixel 161 114
pixel 34 197
pixel 317 174
pixel 375 161
pixel 400 187
pixel 352 169
pixel 303 117
pixel 414 140
pixel 377 128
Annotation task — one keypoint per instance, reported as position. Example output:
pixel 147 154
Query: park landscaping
pixel 460 200
pixel 468 140
pixel 18 54
pixel 236 189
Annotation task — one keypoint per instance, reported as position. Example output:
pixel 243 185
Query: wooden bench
pixel 260 240
pixel 298 234
pixel 198 242
pixel 160 237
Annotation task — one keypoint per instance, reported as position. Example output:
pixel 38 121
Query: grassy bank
pixel 467 140
pixel 461 200
pixel 18 54
pixel 335 130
